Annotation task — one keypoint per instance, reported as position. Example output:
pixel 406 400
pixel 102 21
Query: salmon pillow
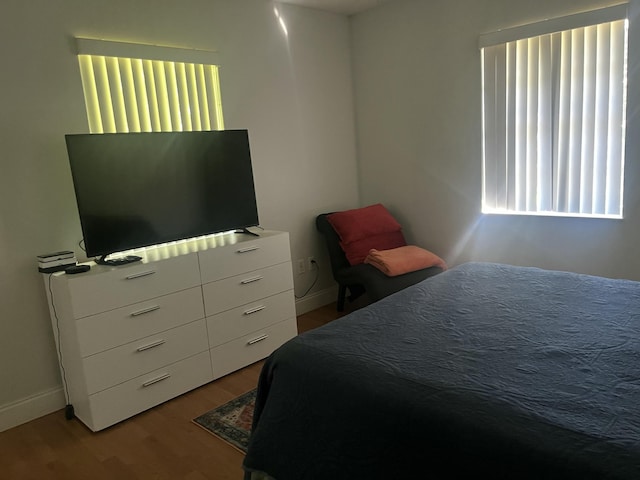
pixel 362 229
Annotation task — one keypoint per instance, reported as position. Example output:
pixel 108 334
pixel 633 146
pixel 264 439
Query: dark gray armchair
pixel 363 278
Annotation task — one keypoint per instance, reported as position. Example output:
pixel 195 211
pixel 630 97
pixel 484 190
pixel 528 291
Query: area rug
pixel 231 421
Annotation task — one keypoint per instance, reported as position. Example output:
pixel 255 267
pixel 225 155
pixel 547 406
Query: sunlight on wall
pixel 281 21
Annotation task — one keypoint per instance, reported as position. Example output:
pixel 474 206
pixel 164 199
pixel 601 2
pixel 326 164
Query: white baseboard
pixel 316 300
pixel 30 408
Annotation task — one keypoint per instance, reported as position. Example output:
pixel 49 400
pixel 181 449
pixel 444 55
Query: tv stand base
pixel 118 261
pixel 247 231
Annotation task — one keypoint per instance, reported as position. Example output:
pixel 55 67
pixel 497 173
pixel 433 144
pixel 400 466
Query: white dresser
pixel 134 336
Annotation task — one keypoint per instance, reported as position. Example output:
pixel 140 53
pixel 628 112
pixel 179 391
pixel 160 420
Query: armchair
pixel 351 273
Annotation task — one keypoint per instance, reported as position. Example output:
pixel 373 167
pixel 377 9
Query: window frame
pixel 130 87
pixel 496 123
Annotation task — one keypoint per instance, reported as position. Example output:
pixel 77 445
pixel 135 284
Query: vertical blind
pixel 554 122
pixel 124 94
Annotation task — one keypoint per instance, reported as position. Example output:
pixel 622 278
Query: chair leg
pixel 342 293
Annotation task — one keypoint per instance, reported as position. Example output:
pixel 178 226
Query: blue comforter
pixel 484 370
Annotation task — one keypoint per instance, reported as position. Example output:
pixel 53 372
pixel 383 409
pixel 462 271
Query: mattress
pixel 485 369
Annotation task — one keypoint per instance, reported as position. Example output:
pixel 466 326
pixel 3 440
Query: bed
pixel 484 370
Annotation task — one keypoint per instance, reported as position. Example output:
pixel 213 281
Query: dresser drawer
pixel 120 364
pixel 234 323
pixel 106 288
pixel 97 333
pixel 241 289
pixel 245 256
pixel 250 348
pixel 141 393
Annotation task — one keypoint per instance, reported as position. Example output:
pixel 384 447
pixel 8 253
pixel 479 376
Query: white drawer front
pixel 241 289
pixel 250 348
pixel 245 256
pixel 103 289
pixel 125 400
pixel 234 323
pixel 120 364
pixel 97 333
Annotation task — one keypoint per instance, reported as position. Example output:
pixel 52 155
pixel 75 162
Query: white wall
pixel 293 93
pixel 418 117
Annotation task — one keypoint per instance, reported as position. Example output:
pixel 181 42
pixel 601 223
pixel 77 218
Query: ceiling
pixel 344 7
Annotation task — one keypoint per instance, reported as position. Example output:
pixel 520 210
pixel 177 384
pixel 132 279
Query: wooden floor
pixel 162 443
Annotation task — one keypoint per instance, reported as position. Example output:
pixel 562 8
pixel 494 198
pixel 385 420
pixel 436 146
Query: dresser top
pixel 178 248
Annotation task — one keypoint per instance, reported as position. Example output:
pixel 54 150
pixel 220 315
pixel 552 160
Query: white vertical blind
pixel 127 94
pixel 554 122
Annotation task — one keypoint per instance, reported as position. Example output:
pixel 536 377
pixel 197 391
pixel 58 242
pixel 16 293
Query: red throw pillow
pixel 357 251
pixel 359 223
pixel 362 229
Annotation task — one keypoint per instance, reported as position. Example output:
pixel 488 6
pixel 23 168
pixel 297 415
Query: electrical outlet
pixel 311 263
pixel 301 266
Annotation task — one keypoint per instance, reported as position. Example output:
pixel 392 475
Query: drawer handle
pixel 144 310
pixel 258 339
pixel 156 380
pixel 251 280
pixel 150 345
pixel 140 274
pixel 254 310
pixel 248 249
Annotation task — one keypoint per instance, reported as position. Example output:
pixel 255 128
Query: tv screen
pixel 140 189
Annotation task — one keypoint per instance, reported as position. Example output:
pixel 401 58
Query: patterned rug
pixel 231 421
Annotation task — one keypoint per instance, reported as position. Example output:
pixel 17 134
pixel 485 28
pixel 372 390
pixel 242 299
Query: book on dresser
pixel 131 337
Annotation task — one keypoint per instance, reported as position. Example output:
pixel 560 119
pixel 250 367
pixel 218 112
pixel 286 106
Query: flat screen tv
pixel 140 189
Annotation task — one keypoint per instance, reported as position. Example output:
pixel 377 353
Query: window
pixel 146 88
pixel 554 96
